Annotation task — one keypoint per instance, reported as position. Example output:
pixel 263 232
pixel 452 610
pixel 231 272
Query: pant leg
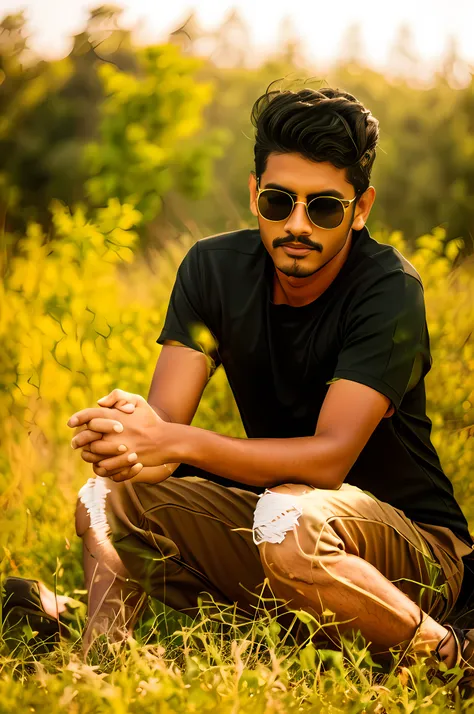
pixel 177 540
pixel 303 529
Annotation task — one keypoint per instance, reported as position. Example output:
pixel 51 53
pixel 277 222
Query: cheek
pixel 268 234
pixel 336 239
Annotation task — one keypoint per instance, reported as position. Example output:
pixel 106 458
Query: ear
pixel 364 205
pixel 253 192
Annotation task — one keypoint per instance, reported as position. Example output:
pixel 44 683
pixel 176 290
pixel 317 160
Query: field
pixel 80 315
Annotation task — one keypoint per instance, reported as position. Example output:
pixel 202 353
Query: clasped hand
pixel 120 437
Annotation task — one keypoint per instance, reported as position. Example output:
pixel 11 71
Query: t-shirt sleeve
pixel 386 343
pixel 187 318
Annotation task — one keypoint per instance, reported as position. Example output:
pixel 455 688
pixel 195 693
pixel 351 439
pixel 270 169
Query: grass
pixel 217 662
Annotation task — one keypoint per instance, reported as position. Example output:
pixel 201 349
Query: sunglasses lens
pixel 274 205
pixel 326 212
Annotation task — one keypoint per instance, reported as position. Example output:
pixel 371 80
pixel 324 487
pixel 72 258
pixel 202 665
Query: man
pixel 337 495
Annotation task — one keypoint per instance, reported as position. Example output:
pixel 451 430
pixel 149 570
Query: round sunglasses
pixel 324 212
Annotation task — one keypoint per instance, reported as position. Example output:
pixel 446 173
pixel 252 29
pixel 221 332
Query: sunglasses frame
pixel 345 202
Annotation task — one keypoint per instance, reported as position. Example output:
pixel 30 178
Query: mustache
pixel 301 241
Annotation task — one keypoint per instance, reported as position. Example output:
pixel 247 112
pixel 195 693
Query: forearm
pixel 258 462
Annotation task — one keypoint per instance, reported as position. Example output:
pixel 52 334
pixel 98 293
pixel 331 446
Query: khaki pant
pixel 189 536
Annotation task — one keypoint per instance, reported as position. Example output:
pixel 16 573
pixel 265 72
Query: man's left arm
pixel 349 415
pixel 384 354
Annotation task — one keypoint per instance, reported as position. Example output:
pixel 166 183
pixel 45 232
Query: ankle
pixel 449 648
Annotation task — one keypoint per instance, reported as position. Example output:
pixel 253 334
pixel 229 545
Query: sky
pixel 320 26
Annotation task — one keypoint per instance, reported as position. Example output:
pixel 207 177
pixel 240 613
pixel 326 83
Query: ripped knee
pixel 294 538
pixel 277 512
pixel 90 508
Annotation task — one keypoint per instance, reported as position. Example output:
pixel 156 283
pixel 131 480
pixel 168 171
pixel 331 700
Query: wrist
pixel 178 440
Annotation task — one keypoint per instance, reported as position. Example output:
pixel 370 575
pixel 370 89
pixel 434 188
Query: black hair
pixel 320 124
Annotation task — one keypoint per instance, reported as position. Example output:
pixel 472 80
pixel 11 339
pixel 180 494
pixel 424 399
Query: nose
pixel 298 222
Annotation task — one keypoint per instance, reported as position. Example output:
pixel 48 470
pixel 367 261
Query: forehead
pixel 303 175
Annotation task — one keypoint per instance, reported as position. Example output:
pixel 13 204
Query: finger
pixel 85 437
pixel 106 426
pixel 116 395
pixel 99 471
pixel 107 448
pixel 117 462
pixel 85 415
pixel 125 406
pixel 91 458
pixel 126 474
pixel 113 474
pixel 78 429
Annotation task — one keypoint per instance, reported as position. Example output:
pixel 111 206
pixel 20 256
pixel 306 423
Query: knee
pixel 291 489
pixel 82 518
pixel 294 535
pixel 91 507
pixel 278 513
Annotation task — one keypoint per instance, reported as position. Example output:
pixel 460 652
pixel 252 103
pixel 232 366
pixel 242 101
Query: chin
pixel 298 271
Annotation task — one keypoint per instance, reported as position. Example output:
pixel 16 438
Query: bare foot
pixel 53 604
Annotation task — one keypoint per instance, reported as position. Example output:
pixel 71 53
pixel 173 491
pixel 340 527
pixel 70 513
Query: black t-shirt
pixel 368 326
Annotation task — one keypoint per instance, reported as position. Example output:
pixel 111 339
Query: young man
pixel 337 495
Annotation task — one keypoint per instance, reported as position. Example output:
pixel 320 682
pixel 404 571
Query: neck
pixel 301 291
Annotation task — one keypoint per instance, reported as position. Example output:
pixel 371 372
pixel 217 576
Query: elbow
pixel 330 479
pixel 337 474
pixel 334 483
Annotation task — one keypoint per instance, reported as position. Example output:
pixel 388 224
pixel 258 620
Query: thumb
pixel 118 399
pixel 125 406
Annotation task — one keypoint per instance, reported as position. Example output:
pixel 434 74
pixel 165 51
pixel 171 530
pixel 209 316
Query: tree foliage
pixel 167 127
pixel 115 149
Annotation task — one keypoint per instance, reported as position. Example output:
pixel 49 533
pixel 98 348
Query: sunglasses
pixel 324 212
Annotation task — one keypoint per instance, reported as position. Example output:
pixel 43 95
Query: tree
pixel 50 111
pixel 403 59
pixel 149 128
pixel 231 42
pixel 352 45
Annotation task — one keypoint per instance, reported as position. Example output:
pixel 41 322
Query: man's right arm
pixel 180 377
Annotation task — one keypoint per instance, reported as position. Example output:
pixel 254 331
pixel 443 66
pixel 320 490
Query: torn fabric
pixel 93 495
pixel 276 514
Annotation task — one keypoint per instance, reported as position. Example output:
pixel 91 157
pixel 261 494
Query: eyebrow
pixel 328 192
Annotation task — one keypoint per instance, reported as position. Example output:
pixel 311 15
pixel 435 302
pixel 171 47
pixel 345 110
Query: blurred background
pixel 125 136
